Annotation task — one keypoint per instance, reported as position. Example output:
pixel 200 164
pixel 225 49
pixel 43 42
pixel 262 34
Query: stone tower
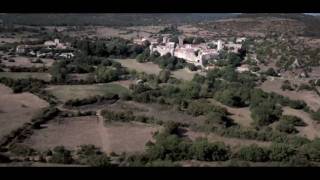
pixel 180 41
pixel 219 45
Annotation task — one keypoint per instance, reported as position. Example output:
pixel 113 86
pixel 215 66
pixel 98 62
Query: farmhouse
pixel 56 43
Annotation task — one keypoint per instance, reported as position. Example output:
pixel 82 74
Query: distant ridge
pixel 111 19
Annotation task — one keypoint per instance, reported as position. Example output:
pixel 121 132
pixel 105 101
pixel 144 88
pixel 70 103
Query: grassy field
pixel 67 92
pixel 310 97
pixel 17 109
pixel 23 75
pixel 151 68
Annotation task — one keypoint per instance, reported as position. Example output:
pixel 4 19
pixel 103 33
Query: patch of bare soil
pixel 127 137
pixel 149 67
pixel 310 97
pixel 160 112
pixel 17 109
pixel 124 83
pixel 25 62
pixel 69 132
pixel 241 116
pixel 311 130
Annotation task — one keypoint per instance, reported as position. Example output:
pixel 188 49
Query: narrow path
pixel 311 130
pixel 103 134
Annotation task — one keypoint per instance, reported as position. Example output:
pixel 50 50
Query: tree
pixel 265 113
pixel 253 153
pixel 311 150
pixel 164 76
pixel 271 72
pixel 61 155
pixel 202 150
pixel 281 152
pixel 192 67
pixel 316 115
pixel 168 147
pixel 286 86
pixel 171 127
pixel 106 74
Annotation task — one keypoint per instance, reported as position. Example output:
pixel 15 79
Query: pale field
pixel 25 75
pixel 241 116
pixel 151 68
pixel 127 137
pixel 25 62
pixel 185 74
pixel 69 132
pixel 310 97
pixel 67 92
pixel 17 109
pixel 312 128
pixel 158 111
pixel 76 131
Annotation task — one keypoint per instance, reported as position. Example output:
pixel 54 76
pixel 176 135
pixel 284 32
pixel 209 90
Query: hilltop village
pixel 193 53
pixel 230 92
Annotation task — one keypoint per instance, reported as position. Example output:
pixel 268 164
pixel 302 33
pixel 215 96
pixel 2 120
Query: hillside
pixel 114 19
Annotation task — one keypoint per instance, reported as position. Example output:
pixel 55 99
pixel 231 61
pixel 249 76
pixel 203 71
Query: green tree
pixel 253 153
pixel 164 76
pixel 202 150
pixel 281 152
pixel 106 74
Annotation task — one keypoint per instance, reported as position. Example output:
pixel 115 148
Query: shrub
pixel 311 150
pixel 99 161
pixel 253 153
pixel 286 127
pixel 61 155
pixel 305 87
pixel 281 152
pixel 271 72
pixel 316 115
pixel 202 150
pixel 22 150
pixel 265 113
pixel 286 86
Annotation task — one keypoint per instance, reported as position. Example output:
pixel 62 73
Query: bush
pixel 197 108
pixel 202 150
pixel 316 115
pixel 192 67
pixel 311 150
pixel 271 72
pixel 286 127
pixel 101 160
pixel 164 76
pixel 22 150
pixel 305 87
pixel 168 147
pixel 92 156
pixel 4 159
pixel 253 153
pixel 281 152
pixel 294 120
pixel 61 155
pixel 265 113
pixel 171 127
pixel 286 86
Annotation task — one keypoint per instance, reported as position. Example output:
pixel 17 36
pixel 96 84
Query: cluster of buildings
pixel 193 53
pixel 49 46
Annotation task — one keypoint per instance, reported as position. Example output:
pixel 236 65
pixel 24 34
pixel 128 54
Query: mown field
pixel 67 92
pixel 24 75
pixel 151 68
